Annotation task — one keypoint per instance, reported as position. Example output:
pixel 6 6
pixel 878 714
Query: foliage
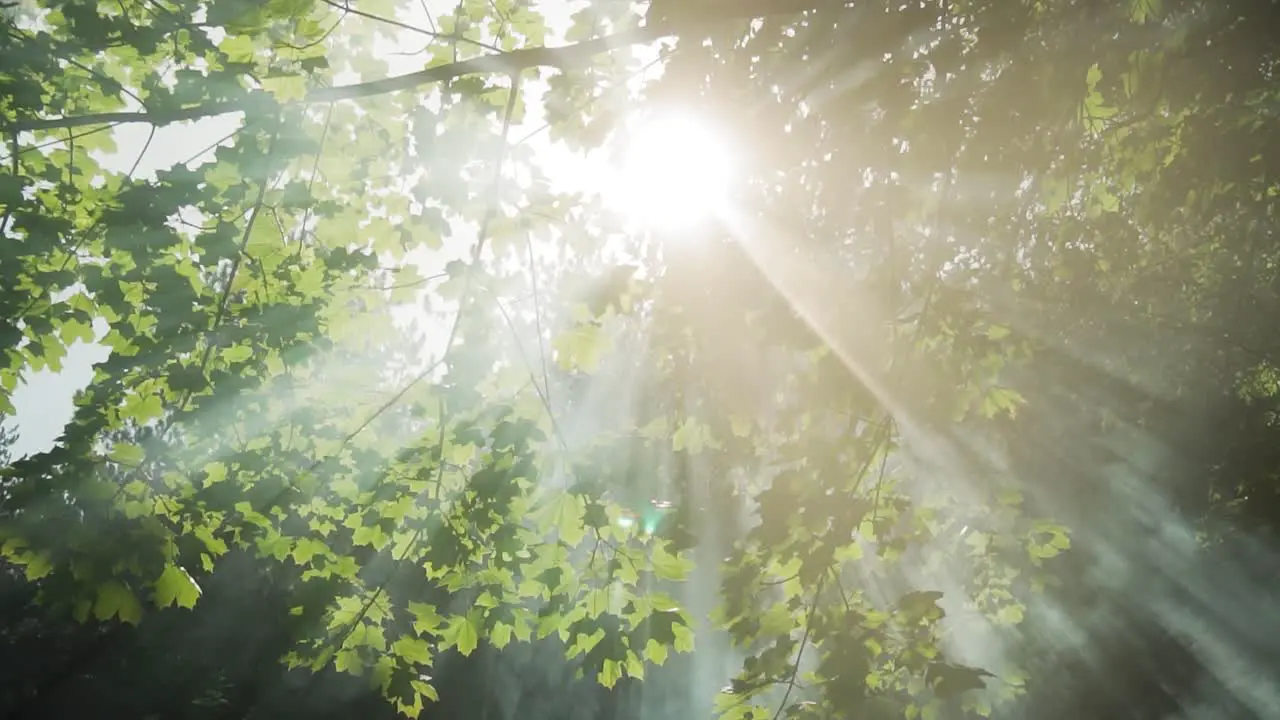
pixel 962 198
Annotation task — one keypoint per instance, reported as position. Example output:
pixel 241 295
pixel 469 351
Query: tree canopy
pixel 403 417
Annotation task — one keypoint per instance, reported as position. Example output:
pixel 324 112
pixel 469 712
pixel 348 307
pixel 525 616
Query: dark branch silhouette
pixel 566 56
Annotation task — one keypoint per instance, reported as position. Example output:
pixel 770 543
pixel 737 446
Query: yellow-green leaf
pixel 426 619
pixel 500 635
pixel 655 652
pixel 127 454
pixel 116 600
pixel 463 634
pixel 176 587
pixel 668 566
pixel 412 649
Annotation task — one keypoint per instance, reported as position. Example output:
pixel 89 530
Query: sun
pixel 675 171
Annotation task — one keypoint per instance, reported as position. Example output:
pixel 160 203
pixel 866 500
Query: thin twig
pixel 546 399
pixel 884 462
pixel 225 298
pixel 804 641
pixel 345 7
pixel 467 283
pixel 315 171
pixel 213 146
pixel 59 140
pixel 457 322
pixel 441 421
pixel 143 152
pixel 537 318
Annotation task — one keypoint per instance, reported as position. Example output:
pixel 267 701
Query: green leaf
pixel 669 566
pixel 313 64
pixel 1009 615
pixel 74 331
pixel 581 348
pixel 238 48
pixel 610 673
pixel 142 408
pixel 1002 400
pixel 38 565
pixel 921 604
pixel 998 332
pixel 237 354
pixel 215 472
pixel 500 635
pixel 348 660
pixel 655 652
pixel 1142 11
pixel 684 638
pixel 412 649
pixel 462 633
pixel 116 600
pixel 426 619
pixel 951 680
pixel 176 587
pixel 568 517
pixel 307 548
pixel 127 454
pixel 425 689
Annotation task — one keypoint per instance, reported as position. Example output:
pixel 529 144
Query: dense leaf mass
pixel 965 406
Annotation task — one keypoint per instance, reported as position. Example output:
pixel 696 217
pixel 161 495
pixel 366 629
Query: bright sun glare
pixel 675 172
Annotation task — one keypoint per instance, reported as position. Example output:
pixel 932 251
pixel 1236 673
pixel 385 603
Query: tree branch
pixel 507 63
pixel 497 63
